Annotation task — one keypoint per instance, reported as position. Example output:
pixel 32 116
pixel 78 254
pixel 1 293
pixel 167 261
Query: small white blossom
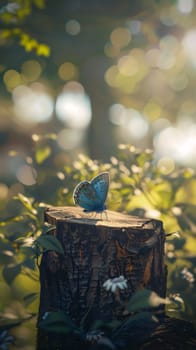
pixel 114 283
pixel 94 336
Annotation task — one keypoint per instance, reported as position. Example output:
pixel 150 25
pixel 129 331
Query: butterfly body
pixel 91 196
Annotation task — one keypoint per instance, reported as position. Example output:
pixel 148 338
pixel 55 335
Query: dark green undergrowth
pixel 138 186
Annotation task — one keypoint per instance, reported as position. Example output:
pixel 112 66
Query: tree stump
pixel 96 250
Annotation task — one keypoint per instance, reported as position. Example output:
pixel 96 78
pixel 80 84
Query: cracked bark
pixel 94 251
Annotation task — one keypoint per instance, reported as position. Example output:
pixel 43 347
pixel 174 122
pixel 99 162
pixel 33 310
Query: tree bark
pixel 96 250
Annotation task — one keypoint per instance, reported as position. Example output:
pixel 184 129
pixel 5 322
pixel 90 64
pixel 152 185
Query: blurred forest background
pixel 83 77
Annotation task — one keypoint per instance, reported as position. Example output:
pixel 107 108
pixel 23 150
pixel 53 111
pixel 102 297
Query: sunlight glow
pixel 26 175
pixel 128 65
pixel 3 191
pixel 189 44
pixel 70 138
pixel 32 105
pixel 180 145
pixel 12 79
pixel 137 125
pixel 185 6
pixel 120 37
pixel 73 108
pixel 130 120
pixel 117 114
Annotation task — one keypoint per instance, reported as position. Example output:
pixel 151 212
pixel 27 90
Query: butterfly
pixel 92 195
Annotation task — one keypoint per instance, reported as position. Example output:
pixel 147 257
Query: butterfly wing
pixel 101 185
pixel 86 196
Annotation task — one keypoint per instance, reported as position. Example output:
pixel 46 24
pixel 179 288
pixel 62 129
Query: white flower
pixel 94 336
pixel 114 283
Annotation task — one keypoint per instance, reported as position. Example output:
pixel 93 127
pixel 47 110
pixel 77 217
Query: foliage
pixel 13 16
pixel 114 334
pixel 138 187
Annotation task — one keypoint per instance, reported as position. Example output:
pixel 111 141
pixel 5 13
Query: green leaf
pixel 26 203
pixel 10 272
pixel 57 322
pixel 145 299
pixel 135 320
pixel 29 263
pixel 29 298
pixel 42 154
pixel 8 220
pixel 137 327
pixel 48 242
pixel 11 320
pixel 6 255
pixel 40 3
pixel 47 228
pixel 184 224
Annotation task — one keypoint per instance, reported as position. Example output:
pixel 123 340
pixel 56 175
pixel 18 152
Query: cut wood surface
pixel 97 248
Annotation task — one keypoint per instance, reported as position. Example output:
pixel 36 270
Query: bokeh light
pixel 152 110
pixel 3 191
pixel 148 65
pixel 12 79
pixel 26 175
pixel 128 65
pixel 69 139
pixel 166 165
pixel 137 125
pixel 180 145
pixel 189 44
pixel 133 123
pixel 72 27
pixel 32 105
pixel 168 16
pixel 117 114
pixel 68 71
pixel 185 6
pixel 120 37
pixel 31 69
pixel 73 106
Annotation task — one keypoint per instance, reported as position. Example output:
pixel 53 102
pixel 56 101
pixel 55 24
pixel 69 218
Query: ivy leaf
pixel 136 328
pixel 26 203
pixel 57 322
pixel 10 219
pixel 29 263
pixel 184 223
pixel 10 272
pixel 29 298
pixel 40 3
pixel 48 242
pixel 6 255
pixel 47 228
pixel 43 50
pixel 42 154
pixel 145 299
pixel 11 320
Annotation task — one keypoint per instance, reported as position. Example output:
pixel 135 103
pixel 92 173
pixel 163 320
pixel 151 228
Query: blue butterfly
pixel 92 195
